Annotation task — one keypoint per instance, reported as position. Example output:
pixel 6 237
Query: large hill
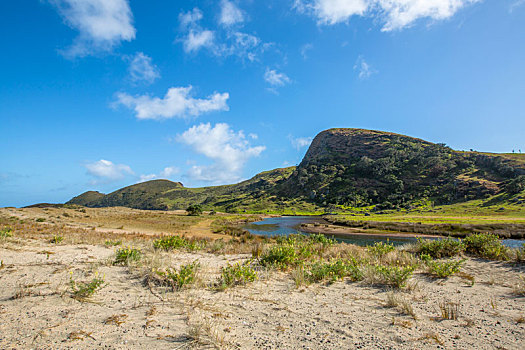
pixel 345 168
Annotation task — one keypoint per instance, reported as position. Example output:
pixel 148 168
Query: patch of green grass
pixel 83 291
pixel 486 246
pixel 124 256
pixel 442 269
pixel 440 248
pixel 237 274
pixel 181 278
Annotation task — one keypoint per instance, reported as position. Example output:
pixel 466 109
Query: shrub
pixel 440 248
pixel 486 246
pixel 56 239
pixel 126 255
pixel 237 274
pixel 40 220
pixel 194 210
pixel 333 270
pixel 110 243
pixel 169 243
pixel 392 275
pixel 82 291
pixel 280 256
pixel 6 232
pixel 321 239
pixel 442 269
pixel 182 277
pixel 380 248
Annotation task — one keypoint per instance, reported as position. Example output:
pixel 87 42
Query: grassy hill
pixel 345 169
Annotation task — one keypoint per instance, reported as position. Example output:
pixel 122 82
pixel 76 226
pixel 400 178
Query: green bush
pixel 321 239
pixel 194 210
pixel 442 269
pixel 379 249
pixel 40 220
pixel 393 275
pixel 487 246
pixel 82 291
pixel 280 256
pixel 182 277
pixel 110 243
pixel 178 242
pixel 333 270
pixel 6 232
pixel 126 255
pixel 237 274
pixel 440 248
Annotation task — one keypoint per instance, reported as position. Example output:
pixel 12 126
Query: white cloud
pixel 276 79
pixel 197 39
pixel 300 142
pixel 304 50
pixel 108 171
pixel 176 103
pixel 141 68
pixel 395 14
pixel 515 5
pixel 167 173
pixel 363 68
pixel 102 24
pixel 190 18
pixel 229 151
pixel 230 14
pixel 220 43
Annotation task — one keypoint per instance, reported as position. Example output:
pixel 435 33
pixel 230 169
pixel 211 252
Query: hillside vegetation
pixel 345 169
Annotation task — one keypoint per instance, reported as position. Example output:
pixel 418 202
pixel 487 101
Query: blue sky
pixel 99 94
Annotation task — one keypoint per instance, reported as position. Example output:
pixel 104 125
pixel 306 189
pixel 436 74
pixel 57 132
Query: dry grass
pixel 116 319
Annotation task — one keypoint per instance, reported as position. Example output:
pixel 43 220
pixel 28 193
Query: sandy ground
pixel 37 311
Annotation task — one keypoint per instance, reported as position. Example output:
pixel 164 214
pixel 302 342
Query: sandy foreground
pixel 37 310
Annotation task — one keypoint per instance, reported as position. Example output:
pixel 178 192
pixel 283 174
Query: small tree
pixel 194 210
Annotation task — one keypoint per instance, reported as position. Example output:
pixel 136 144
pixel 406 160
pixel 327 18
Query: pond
pixel 286 225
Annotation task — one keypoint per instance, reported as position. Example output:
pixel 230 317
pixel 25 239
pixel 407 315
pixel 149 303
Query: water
pixel 286 225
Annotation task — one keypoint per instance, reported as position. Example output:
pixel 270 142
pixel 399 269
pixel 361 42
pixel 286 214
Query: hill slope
pixel 346 168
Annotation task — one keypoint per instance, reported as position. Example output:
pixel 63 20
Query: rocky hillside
pixel 356 167
pixel 343 167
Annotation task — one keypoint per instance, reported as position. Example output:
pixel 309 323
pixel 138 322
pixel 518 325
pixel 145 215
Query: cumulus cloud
pixel 141 68
pixel 167 173
pixel 177 103
pixel 276 79
pixel 102 24
pixel 395 14
pixel 300 142
pixel 363 68
pixel 197 39
pixel 228 150
pixel 230 14
pixel 107 171
pixel 224 42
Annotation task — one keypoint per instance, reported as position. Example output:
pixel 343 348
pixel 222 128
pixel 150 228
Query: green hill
pixel 343 168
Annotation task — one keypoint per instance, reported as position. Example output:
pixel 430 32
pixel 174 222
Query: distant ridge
pixel 343 167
